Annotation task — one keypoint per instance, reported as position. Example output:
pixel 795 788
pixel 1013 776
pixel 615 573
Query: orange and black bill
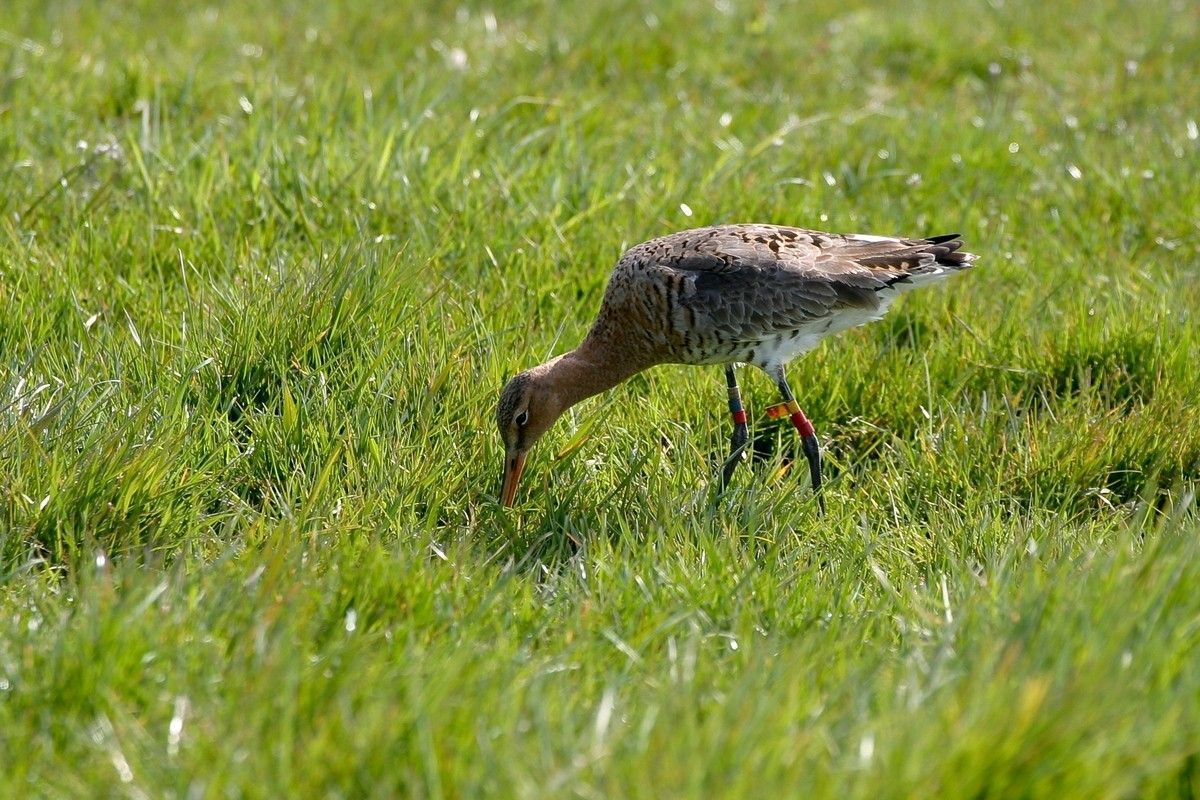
pixel 514 463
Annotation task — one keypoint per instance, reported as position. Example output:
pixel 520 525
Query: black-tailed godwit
pixel 729 294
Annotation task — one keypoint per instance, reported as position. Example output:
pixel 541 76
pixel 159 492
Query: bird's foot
pixel 735 457
pixel 812 451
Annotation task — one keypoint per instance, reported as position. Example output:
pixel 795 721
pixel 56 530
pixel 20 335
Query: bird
pixel 724 295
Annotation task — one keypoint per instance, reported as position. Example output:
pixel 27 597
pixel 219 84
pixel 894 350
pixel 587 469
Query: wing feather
pixel 742 283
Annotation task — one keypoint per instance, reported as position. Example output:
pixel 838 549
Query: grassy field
pixel 265 266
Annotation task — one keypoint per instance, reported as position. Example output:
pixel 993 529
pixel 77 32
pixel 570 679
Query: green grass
pixel 264 268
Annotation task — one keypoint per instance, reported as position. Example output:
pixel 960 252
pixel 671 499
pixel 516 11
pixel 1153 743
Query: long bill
pixel 514 464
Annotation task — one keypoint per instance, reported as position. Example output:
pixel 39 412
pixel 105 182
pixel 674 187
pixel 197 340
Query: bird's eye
pixel 522 419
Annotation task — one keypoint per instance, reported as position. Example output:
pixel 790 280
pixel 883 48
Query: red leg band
pixel 739 417
pixel 802 424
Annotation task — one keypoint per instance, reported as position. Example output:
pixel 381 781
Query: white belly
pixel 779 350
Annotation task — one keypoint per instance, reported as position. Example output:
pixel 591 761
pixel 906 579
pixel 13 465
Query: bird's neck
pixel 588 370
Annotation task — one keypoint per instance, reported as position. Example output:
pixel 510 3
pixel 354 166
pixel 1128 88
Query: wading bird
pixel 729 294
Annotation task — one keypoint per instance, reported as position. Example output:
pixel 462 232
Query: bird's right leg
pixel 808 437
pixel 741 432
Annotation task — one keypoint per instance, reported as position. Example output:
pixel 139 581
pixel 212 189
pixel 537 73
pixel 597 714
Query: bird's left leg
pixel 808 436
pixel 741 432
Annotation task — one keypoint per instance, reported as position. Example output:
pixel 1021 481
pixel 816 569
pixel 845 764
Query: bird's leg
pixel 741 434
pixel 808 436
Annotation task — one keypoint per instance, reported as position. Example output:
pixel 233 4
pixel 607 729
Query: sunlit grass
pixel 263 271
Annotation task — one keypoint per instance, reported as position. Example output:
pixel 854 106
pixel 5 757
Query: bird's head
pixel 529 405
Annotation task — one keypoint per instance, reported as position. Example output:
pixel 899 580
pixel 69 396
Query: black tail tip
pixel 947 251
pixel 945 237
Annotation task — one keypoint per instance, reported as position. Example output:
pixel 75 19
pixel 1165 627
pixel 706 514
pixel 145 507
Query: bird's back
pixel 759 294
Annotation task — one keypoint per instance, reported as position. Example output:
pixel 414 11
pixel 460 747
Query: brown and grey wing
pixel 734 247
pixel 741 283
pixel 756 302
